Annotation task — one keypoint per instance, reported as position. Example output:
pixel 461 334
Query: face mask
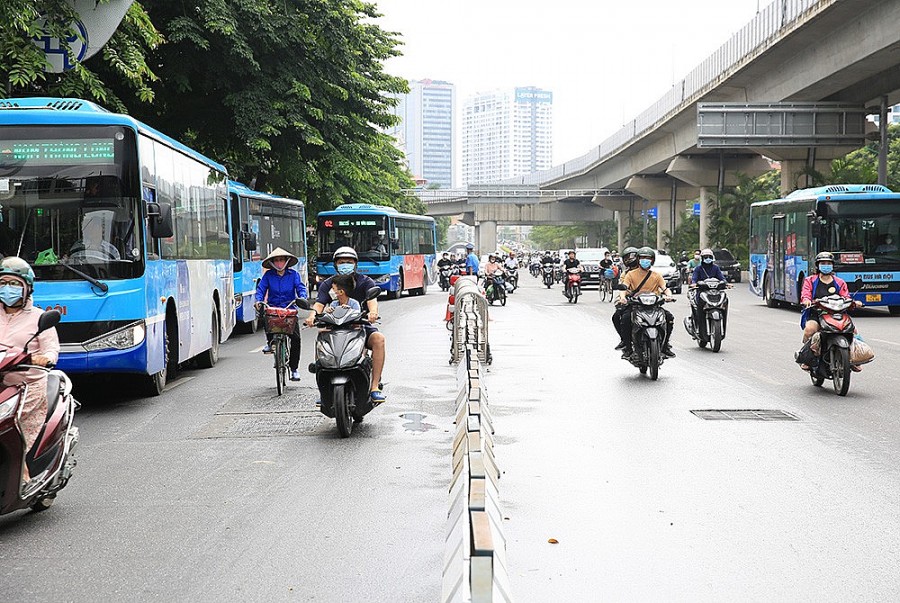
pixel 279 264
pixel 345 268
pixel 696 256
pixel 333 294
pixel 645 264
pixel 10 295
pixel 823 268
pixel 707 260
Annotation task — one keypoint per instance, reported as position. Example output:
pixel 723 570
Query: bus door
pixel 778 242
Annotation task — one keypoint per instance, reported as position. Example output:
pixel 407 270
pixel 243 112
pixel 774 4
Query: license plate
pixel 873 297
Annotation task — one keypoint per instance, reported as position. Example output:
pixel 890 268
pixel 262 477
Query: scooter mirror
pixel 303 304
pixel 373 293
pixel 48 320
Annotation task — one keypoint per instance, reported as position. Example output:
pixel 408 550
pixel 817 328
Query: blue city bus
pixel 397 250
pixel 127 231
pixel 262 222
pixel 854 221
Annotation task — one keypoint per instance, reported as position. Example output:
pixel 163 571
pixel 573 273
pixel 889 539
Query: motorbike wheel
pixel 815 378
pixel 42 504
pixel 548 284
pixel 575 293
pixel 502 298
pixel 840 370
pixel 653 358
pixel 716 336
pixel 342 394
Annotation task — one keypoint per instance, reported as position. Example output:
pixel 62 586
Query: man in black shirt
pixel 570 262
pixel 445 260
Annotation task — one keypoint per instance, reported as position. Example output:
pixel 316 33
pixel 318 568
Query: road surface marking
pixel 884 341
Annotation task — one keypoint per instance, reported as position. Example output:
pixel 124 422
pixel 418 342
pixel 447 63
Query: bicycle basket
pixel 281 320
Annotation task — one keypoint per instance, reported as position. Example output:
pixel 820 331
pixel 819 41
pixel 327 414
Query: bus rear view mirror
pixel 160 220
pixel 249 241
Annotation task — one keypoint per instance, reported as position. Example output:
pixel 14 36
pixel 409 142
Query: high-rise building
pixel 425 133
pixel 506 133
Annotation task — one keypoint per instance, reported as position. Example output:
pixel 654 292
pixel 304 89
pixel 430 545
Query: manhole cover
pixel 261 425
pixel 745 415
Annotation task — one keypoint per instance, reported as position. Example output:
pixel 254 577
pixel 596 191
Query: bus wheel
pixel 209 358
pixel 894 310
pixel 769 293
pixel 156 382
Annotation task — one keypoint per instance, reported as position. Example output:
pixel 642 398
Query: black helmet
pixel 629 257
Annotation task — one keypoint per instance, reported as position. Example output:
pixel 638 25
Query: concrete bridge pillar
pixel 663 221
pixel 486 237
pixel 623 221
pixel 704 217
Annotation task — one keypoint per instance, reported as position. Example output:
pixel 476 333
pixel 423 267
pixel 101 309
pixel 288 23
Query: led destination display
pixel 44 152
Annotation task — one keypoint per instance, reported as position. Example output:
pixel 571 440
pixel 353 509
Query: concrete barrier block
pixel 476 465
pixel 474 408
pixel 476 495
pixel 473 422
pixel 482 580
pixel 473 441
pixel 490 463
pixel 482 534
pixel 461 471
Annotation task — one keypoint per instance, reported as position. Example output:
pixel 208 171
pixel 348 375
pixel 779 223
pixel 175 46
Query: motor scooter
pixel 50 461
pixel 343 366
pixel 835 338
pixel 648 333
pixel 512 279
pixel 548 270
pixel 573 285
pixel 710 294
pixel 444 275
pixel 495 287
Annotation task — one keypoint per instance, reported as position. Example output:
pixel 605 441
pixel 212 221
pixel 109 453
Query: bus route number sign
pixel 356 223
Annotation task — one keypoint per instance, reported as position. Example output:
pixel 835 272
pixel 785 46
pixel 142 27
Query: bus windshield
pixel 367 234
pixel 64 199
pixel 858 240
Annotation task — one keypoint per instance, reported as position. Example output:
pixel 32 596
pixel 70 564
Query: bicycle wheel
pixel 280 363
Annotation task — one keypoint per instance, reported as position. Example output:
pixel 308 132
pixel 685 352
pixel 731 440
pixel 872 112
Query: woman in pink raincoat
pixel 18 322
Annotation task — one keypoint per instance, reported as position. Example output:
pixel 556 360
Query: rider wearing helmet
pixel 707 269
pixel 629 260
pixel 472 263
pixel 570 262
pixel 279 287
pixel 345 261
pixel 822 284
pixel 18 323
pixel 643 280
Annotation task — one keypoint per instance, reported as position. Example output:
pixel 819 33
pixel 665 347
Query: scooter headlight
pixel 8 407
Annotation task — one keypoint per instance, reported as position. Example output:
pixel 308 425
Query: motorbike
pixel 648 332
pixel 715 313
pixel 835 335
pixel 573 285
pixel 535 269
pixel 683 270
pixel 343 366
pixel 444 275
pixel 547 270
pixel 50 461
pixel 512 279
pixel 558 273
pixel 495 288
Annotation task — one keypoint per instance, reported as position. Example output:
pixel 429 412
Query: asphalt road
pixel 219 490
pixel 649 502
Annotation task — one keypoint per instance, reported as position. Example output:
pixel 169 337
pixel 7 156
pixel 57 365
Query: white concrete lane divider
pixel 475 550
pixel 469 320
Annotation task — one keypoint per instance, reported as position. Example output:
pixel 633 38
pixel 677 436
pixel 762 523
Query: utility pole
pixel 883 149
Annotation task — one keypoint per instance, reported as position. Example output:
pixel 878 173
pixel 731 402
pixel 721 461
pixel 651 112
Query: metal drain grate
pixel 745 415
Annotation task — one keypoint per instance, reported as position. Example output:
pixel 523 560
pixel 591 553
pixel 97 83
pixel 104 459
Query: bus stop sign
pixel 94 27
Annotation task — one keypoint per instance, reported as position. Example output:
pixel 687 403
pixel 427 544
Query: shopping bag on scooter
pixel 806 355
pixel 860 351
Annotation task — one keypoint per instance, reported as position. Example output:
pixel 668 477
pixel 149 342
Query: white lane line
pixel 791 322
pixel 176 383
pixel 257 350
pixel 884 341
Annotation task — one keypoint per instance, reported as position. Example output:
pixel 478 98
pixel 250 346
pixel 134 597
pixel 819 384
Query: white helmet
pixel 345 252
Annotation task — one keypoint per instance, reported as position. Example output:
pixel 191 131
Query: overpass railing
pixel 769 26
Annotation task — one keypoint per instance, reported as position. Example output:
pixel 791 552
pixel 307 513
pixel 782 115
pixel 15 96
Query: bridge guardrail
pixel 475 567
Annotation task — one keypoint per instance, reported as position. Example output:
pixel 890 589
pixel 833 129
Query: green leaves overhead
pixel 292 91
pixel 122 60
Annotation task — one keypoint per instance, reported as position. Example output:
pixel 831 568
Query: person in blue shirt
pixel 279 286
pixel 342 286
pixel 472 263
pixel 706 269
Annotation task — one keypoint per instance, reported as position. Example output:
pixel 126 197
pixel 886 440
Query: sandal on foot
pixel 377 396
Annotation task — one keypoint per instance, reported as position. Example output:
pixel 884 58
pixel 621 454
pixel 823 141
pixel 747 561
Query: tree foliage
pixel 290 92
pixel 122 61
pixel 591 234
pixel 730 216
pixel 861 166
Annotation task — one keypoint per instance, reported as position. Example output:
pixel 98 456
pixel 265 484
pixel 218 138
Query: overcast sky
pixel 604 60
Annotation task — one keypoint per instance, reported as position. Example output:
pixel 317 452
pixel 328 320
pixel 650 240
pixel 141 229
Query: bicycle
pixel 606 286
pixel 280 323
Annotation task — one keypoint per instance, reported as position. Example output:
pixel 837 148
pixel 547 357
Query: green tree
pixel 861 166
pixel 292 92
pixel 121 64
pixel 730 216
pixel 634 234
pixel 686 236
